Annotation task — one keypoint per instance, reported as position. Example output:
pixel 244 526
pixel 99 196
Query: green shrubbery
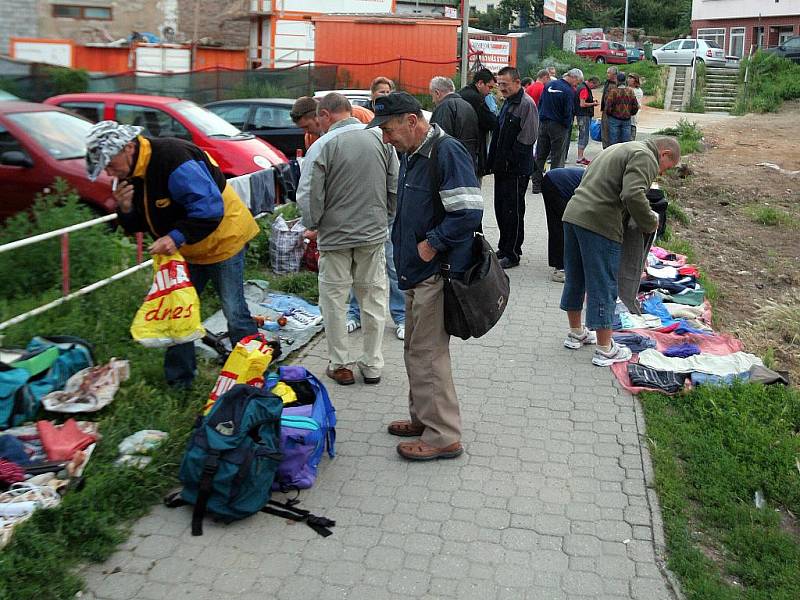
pixel 689 135
pixel 772 80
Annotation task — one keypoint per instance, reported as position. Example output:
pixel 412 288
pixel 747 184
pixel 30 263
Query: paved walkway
pixel 549 501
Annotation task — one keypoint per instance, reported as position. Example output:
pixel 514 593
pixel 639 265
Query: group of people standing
pixel 393 199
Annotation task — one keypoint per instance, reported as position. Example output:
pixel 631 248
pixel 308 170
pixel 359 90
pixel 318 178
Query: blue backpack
pixel 232 456
pixel 45 367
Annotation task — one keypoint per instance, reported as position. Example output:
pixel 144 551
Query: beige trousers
pixel 432 399
pixel 364 270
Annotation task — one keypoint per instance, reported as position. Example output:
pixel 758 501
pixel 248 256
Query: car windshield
pixel 62 135
pixel 207 122
pixel 711 44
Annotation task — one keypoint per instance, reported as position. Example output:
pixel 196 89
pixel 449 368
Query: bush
pixel 95 252
pixel 772 80
pixel 67 81
pixel 689 135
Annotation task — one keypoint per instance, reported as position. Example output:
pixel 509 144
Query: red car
pixel 603 51
pixel 39 143
pixel 237 153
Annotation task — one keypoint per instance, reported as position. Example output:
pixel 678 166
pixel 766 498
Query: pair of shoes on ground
pixel 400 331
pixel 583 161
pixel 557 276
pixel 601 358
pixel 419 450
pixel 508 263
pixel 344 376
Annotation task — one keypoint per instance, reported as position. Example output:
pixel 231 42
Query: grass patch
pixel 42 558
pixel 769 215
pixel 772 80
pixel 697 102
pixel 689 135
pixel 713 449
pixel 675 211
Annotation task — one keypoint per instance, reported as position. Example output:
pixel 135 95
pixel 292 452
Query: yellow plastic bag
pixel 170 313
pixel 247 363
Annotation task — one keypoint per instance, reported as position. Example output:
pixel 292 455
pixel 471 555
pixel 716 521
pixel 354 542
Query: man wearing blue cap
pixel 439 209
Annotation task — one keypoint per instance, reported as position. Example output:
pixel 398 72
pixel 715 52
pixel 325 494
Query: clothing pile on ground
pixel 673 344
pixel 281 316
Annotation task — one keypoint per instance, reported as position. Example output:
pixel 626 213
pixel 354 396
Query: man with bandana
pixel 176 192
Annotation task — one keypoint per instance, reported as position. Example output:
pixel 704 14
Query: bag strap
pixel 210 467
pixel 289 510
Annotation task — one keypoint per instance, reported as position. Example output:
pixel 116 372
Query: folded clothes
pixel 653 305
pixel 685 327
pixel 687 296
pixel 737 362
pixel 61 442
pixel 645 321
pixel 646 377
pixel 683 311
pixel 682 350
pixel 662 272
pixel 689 270
pixel 634 341
pixel 706 379
pixel 13 450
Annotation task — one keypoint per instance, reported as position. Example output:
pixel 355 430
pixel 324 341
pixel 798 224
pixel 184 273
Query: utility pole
pixel 625 29
pixel 464 43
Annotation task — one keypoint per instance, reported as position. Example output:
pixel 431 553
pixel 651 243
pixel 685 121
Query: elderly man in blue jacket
pixel 439 209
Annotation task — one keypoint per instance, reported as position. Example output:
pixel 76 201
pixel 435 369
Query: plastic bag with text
pixel 170 313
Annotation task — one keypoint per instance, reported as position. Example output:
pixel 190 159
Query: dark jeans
pixel 550 143
pixel 180 364
pixel 509 209
pixel 554 205
pixel 567 142
pixel 619 130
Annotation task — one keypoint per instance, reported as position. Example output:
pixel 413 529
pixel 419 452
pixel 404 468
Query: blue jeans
pixel 397 298
pixel 180 364
pixel 591 262
pixel 619 130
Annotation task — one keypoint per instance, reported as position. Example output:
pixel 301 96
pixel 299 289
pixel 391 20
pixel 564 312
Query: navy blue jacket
pixel 448 217
pixel 565 180
pixel 557 103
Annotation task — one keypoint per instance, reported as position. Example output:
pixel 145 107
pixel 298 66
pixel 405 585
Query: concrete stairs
pixel 722 86
pixel 677 94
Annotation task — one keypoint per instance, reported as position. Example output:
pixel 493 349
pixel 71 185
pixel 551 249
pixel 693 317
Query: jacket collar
pixel 516 98
pixel 426 146
pixel 143 157
pixel 343 122
pixel 653 148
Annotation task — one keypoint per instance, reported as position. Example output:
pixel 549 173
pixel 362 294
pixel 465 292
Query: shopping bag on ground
pixel 596 130
pixel 170 313
pixel 286 245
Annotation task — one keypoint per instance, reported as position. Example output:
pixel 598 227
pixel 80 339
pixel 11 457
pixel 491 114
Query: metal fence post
pixel 65 263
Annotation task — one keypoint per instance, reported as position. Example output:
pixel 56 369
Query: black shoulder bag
pixel 474 303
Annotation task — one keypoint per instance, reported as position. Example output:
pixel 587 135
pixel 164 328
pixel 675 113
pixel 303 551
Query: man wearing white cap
pixel 176 192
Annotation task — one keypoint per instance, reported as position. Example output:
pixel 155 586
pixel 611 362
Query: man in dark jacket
pixel 176 192
pixel 556 112
pixel 439 209
pixel 475 93
pixel 511 160
pixel 455 116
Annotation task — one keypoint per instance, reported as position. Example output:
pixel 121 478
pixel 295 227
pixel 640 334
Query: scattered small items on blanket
pixel 89 390
pixel 136 449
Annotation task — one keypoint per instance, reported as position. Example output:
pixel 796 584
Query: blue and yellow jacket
pixel 181 192
pixel 447 219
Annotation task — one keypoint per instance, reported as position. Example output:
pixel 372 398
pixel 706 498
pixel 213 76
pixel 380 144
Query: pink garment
pixel 660 253
pixel 719 344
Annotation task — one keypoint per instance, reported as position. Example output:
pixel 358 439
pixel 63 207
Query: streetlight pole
pixel 464 43
pixel 625 29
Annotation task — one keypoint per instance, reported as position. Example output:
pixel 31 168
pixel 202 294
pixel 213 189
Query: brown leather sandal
pixel 405 428
pixel 419 450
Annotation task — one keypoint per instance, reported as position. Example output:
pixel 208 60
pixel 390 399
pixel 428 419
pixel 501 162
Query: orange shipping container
pixel 409 51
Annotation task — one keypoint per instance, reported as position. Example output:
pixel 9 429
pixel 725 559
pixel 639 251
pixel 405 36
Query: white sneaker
pixel 400 332
pixel 617 354
pixel 352 325
pixel 575 341
pixel 557 276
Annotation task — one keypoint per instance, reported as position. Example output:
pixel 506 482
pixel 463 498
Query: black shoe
pixel 507 263
pixel 372 380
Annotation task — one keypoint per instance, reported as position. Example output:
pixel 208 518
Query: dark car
pixel 266 118
pixel 790 49
pixel 39 143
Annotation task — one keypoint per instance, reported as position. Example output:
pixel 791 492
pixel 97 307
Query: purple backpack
pixel 308 427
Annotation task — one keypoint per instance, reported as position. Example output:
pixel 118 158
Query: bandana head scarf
pixel 104 141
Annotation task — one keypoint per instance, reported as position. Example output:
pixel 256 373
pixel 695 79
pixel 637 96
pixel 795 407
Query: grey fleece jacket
pixel 348 186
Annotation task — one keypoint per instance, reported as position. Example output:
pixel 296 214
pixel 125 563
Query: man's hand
pixel 426 251
pixel 310 234
pixel 163 245
pixel 124 196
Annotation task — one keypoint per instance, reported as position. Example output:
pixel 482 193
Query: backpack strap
pixel 210 467
pixel 289 510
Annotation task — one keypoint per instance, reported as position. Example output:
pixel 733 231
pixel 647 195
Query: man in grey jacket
pixel 347 193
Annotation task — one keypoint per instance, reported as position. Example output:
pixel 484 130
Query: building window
pixel 714 34
pixel 70 11
pixel 784 33
pixel 737 42
pixel 758 36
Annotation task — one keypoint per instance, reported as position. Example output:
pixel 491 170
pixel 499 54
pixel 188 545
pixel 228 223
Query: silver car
pixel 685 52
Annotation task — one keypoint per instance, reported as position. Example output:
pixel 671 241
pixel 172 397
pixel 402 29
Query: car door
pixel 20 182
pixel 668 54
pixel 94 111
pixel 792 49
pixel 273 123
pixel 687 51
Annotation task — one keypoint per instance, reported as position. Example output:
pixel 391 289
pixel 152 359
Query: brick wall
pixel 770 25
pixel 17 19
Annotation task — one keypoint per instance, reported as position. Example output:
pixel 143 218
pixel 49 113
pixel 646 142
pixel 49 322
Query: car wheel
pixel 655 60
pixel 699 61
pixel 600 59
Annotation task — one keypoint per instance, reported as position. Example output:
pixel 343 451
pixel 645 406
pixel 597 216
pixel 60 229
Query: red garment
pixel 11 472
pixel 689 270
pixel 61 442
pixel 535 90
